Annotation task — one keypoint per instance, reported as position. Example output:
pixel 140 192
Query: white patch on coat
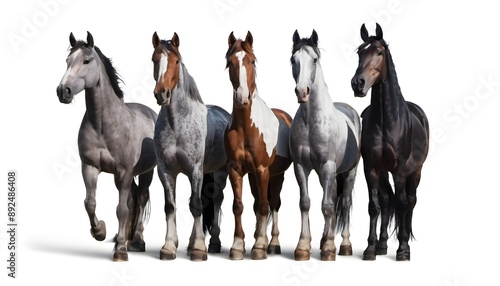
pixel 266 122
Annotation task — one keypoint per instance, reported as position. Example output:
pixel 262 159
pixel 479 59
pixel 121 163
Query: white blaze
pixel 243 88
pixel 163 67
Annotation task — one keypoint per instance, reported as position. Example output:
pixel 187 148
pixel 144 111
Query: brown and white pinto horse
pixel 256 143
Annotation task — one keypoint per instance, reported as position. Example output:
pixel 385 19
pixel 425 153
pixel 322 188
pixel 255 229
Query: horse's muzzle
pixel 163 98
pixel 358 86
pixel 64 94
pixel 302 94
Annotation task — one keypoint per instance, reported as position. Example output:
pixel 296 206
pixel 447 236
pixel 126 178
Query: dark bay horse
pixel 395 138
pixel 256 143
pixel 114 137
pixel 189 138
pixel 324 137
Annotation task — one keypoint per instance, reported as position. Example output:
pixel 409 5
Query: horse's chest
pixel 380 149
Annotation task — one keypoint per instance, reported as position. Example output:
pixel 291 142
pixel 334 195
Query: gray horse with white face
pixel 324 137
pixel 114 137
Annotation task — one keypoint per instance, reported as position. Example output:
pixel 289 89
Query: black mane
pixel 114 78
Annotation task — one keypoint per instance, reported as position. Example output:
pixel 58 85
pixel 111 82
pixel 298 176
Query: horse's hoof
pixel 120 256
pixel 198 255
pixel 381 250
pixel 369 256
pixel 167 255
pixel 345 250
pixel 99 232
pixel 403 255
pixel 258 254
pixel 274 249
pixel 328 255
pixel 236 254
pixel 302 255
pixel 137 246
pixel 214 248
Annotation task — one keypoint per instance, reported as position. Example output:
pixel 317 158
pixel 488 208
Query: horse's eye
pixel 379 52
pixel 177 62
pixel 253 63
pixel 315 60
pixel 86 61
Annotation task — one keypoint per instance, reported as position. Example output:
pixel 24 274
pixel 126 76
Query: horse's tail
pixel 344 204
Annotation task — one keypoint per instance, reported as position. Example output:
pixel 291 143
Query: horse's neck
pixel 387 102
pixel 319 98
pixel 101 101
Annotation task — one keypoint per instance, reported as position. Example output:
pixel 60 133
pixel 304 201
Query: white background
pixel 445 53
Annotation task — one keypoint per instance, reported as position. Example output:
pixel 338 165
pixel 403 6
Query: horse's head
pixel 241 64
pixel 166 59
pixel 304 60
pixel 83 68
pixel 372 68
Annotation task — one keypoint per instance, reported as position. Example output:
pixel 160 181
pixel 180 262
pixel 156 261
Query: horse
pixel 189 140
pixel 115 137
pixel 324 137
pixel 395 139
pixel 256 143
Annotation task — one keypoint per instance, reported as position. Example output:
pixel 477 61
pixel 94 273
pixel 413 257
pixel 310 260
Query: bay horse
pixel 325 137
pixel 115 137
pixel 189 140
pixel 395 139
pixel 256 143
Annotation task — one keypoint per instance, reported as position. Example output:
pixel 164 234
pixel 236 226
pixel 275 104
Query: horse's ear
pixel 175 40
pixel 156 40
pixel 314 37
pixel 364 33
pixel 249 38
pixel 72 40
pixel 296 37
pixel 90 39
pixel 231 39
pixel 378 32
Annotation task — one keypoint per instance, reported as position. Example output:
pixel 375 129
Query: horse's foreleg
pixel 387 210
pixel 123 182
pixel 97 227
pixel 259 250
pixel 303 249
pixel 372 180
pixel 238 247
pixel 196 247
pixel 328 181
pixel 168 180
pixel 275 186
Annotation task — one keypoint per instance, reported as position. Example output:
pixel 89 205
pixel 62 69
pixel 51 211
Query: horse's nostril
pixel 68 90
pixel 361 83
pixel 296 91
pixel 308 90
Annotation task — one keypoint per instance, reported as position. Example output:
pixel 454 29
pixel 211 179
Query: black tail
pixel 344 204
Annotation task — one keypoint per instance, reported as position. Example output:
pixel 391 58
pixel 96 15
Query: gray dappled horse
pixel 189 139
pixel 324 137
pixel 114 137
